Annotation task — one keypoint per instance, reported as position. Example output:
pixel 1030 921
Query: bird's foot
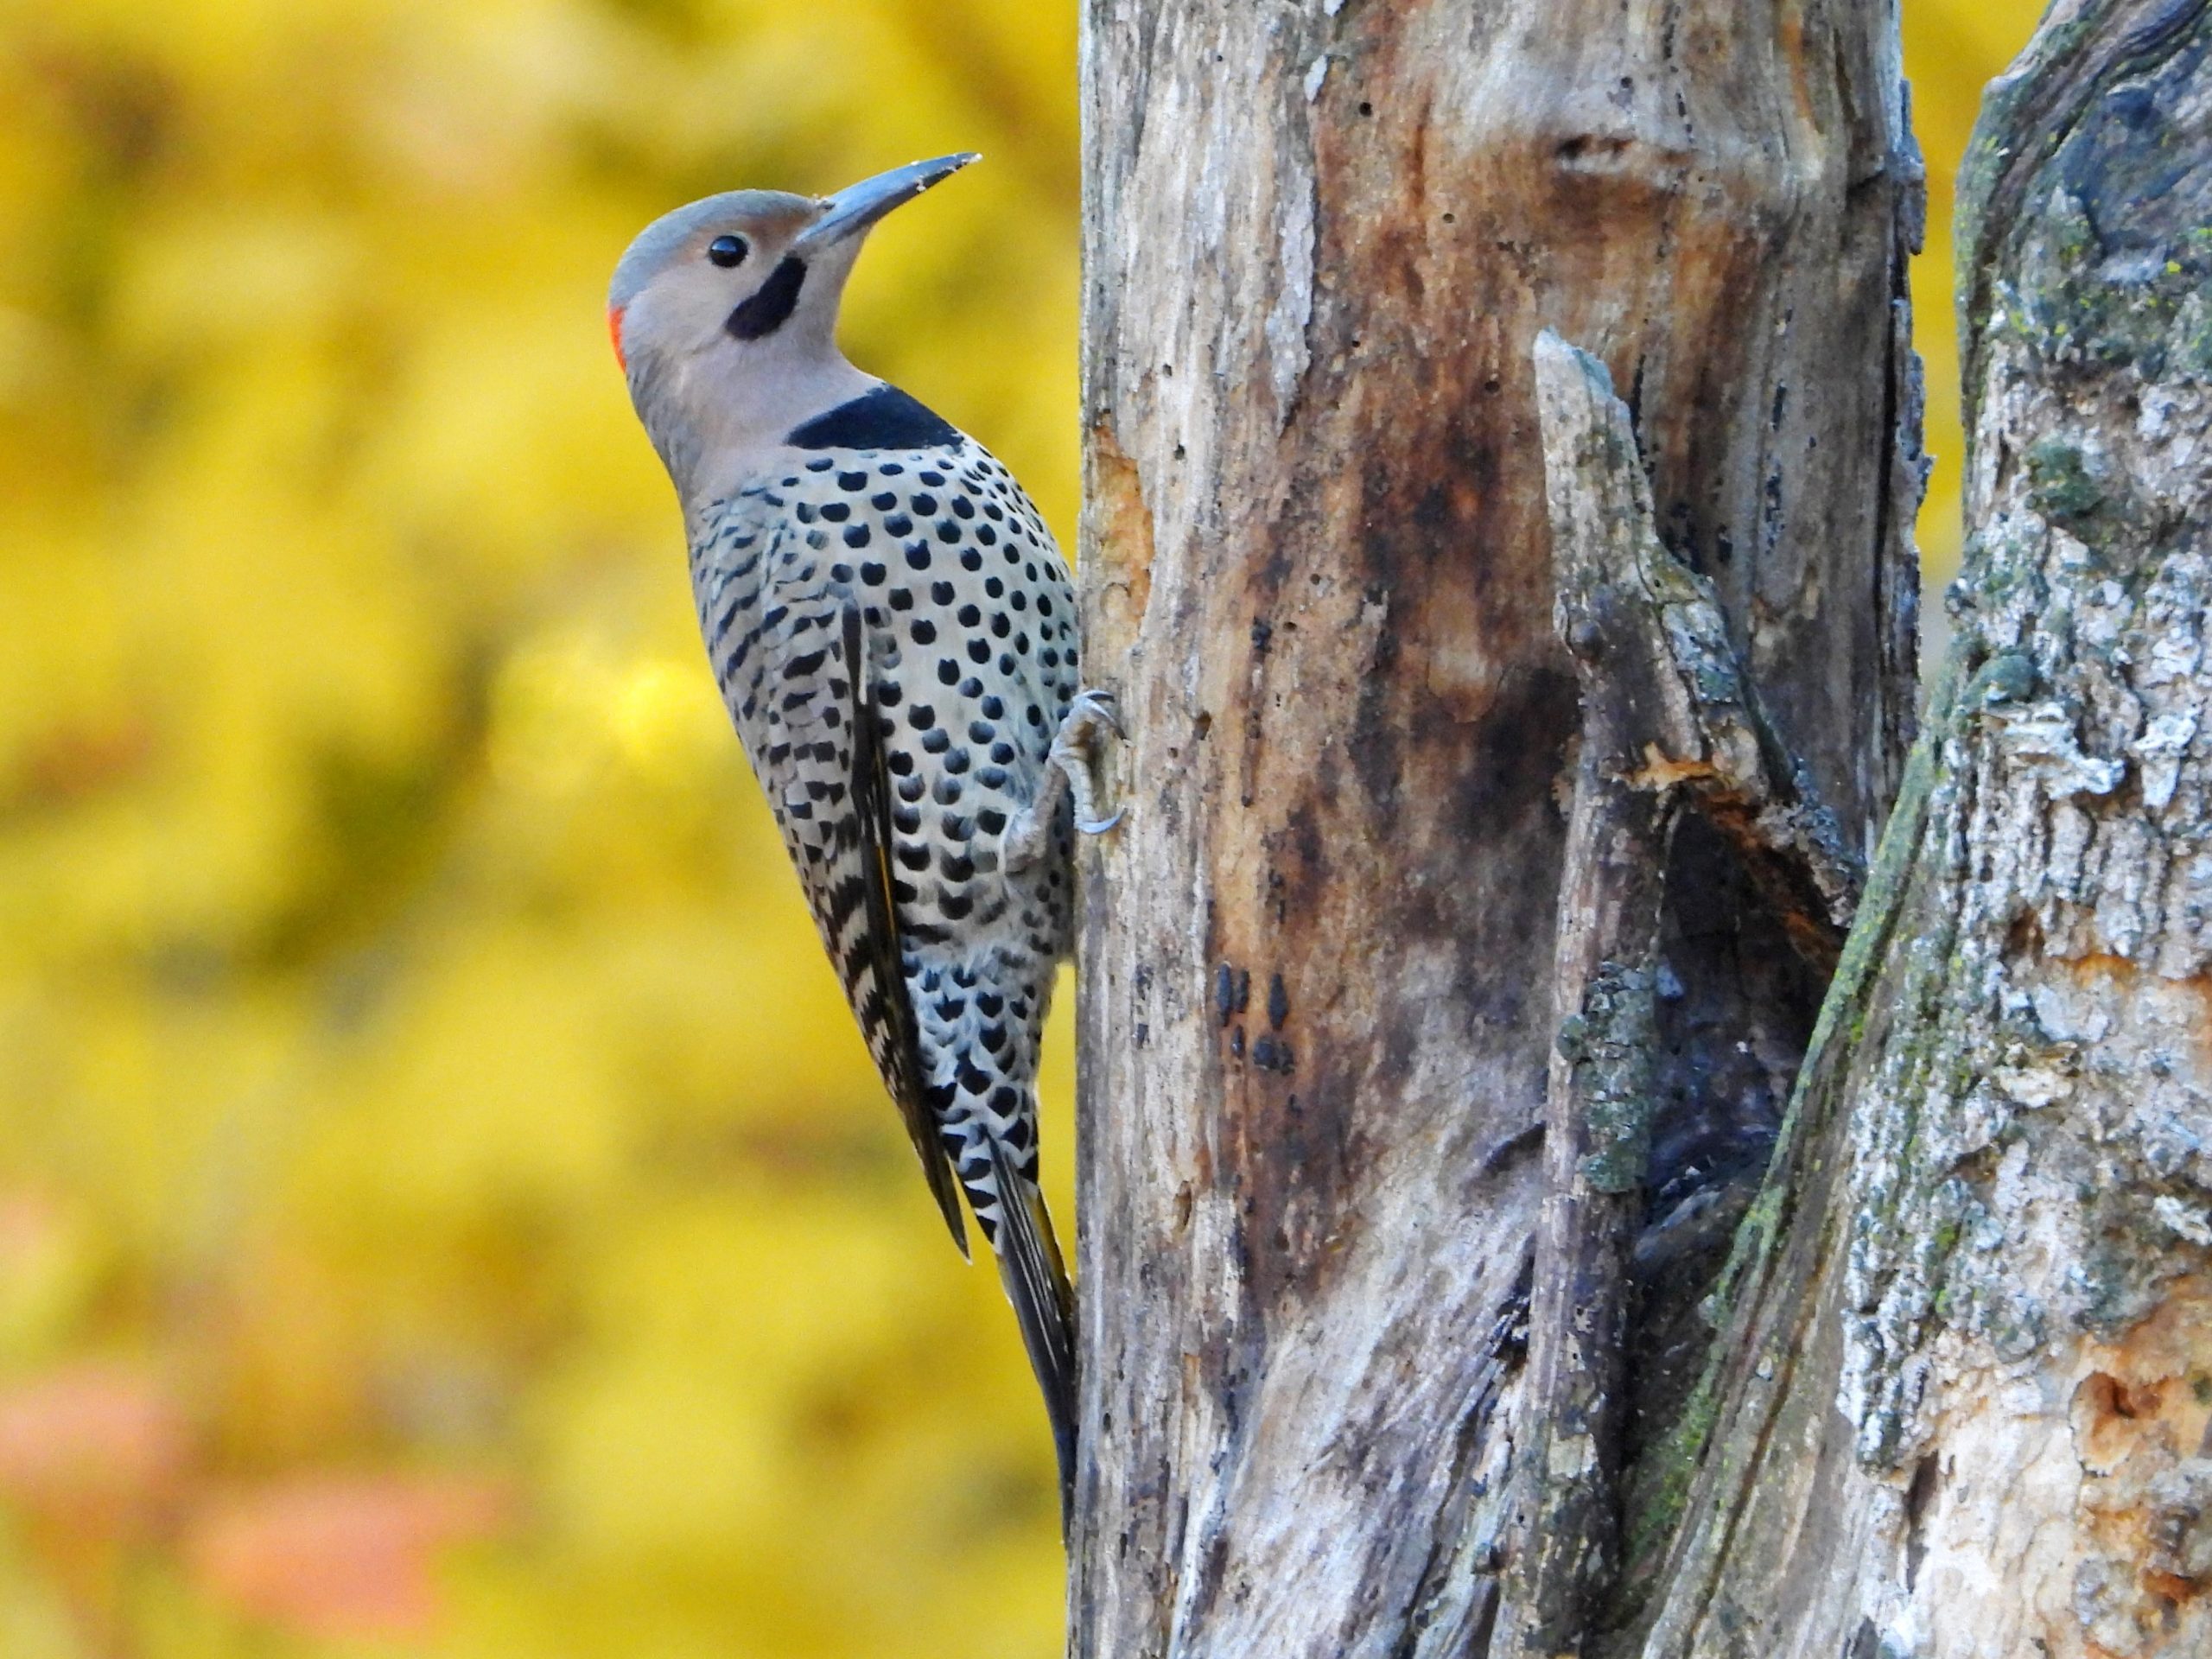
pixel 1090 718
pixel 1068 771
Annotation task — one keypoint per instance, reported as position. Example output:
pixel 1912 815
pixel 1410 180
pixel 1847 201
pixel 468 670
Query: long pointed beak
pixel 855 208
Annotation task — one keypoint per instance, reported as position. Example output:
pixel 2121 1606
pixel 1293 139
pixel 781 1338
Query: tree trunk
pixel 1322 976
pixel 1966 1405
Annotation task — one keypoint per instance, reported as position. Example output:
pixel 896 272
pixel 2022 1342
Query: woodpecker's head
pixel 724 315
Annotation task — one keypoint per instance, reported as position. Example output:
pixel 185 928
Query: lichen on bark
pixel 1611 1036
pixel 1968 1393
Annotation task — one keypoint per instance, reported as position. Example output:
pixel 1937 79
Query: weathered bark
pixel 1669 716
pixel 1965 1400
pixel 1598 1103
pixel 1317 1007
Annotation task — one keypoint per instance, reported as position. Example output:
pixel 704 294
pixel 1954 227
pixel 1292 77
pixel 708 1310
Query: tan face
pixel 719 266
pixel 752 262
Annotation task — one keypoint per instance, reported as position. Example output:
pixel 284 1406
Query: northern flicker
pixel 894 635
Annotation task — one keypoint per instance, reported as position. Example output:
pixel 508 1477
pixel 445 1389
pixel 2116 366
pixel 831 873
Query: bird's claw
pixel 1068 774
pixel 1092 710
pixel 1106 705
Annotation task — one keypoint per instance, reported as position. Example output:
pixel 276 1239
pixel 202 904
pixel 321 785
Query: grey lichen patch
pixel 1609 1043
pixel 2075 305
pixel 2181 1521
pixel 2129 1255
pixel 2063 485
pixel 2009 676
pixel 2043 741
pixel 1804 821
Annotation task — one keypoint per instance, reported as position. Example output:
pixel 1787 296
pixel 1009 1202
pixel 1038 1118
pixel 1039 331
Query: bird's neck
pixel 729 428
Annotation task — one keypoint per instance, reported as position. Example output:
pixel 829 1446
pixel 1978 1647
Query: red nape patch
pixel 614 332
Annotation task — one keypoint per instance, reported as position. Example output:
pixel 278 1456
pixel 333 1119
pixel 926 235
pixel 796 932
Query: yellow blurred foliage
pixel 444 1206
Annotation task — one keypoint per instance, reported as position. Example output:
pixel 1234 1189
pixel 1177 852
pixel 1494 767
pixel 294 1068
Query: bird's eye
pixel 727 251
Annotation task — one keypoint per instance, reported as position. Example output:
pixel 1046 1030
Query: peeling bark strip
pixel 1666 714
pixel 1966 1405
pixel 1320 239
pixel 1564 1538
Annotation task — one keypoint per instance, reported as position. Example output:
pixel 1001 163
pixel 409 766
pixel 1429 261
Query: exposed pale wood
pixel 1316 1020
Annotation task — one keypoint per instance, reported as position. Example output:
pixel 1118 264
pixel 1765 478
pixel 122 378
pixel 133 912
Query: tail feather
pixel 1036 1283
